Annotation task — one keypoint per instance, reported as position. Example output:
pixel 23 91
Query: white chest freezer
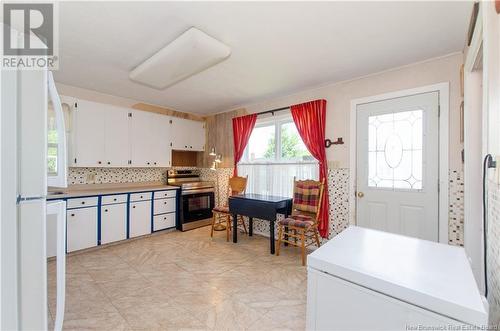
pixel 365 279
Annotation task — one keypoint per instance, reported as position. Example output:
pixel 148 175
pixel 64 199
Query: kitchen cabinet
pixel 150 139
pixel 113 223
pixel 188 135
pixel 81 227
pixel 89 136
pixel 101 136
pixel 140 218
pixel 162 131
pixel 86 215
pixel 104 135
pixel 116 137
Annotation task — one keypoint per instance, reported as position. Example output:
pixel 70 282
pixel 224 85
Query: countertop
pixel 434 276
pixel 83 190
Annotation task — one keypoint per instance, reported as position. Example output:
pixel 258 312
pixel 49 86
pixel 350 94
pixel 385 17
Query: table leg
pixel 235 228
pixel 250 226
pixel 271 235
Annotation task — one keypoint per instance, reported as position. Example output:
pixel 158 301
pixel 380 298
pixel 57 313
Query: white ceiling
pixel 277 47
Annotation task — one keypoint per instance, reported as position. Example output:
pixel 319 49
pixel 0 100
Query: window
pixel 395 150
pixel 52 142
pixel 274 155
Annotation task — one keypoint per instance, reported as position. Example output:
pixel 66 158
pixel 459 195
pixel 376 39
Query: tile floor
pixel 181 281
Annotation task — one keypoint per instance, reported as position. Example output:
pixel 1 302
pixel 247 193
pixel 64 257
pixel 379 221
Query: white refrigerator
pixel 26 139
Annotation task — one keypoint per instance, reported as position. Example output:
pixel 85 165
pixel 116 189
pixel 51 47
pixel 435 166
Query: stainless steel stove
pixel 197 198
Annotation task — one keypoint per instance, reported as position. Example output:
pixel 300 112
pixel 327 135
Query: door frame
pixel 443 90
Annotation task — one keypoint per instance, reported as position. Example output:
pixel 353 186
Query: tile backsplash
pixel 116 175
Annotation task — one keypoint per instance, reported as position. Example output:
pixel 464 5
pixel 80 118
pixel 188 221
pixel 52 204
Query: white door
pixel 180 134
pixel 140 138
pixel 89 135
pixel 116 141
pixel 140 218
pixel 81 227
pixel 113 223
pixel 197 138
pixel 397 165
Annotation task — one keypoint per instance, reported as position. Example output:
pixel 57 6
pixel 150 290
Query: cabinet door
pixel 89 135
pixel 163 137
pixel 140 139
pixel 113 223
pixel 81 227
pixel 180 134
pixel 140 218
pixel 197 137
pixel 116 137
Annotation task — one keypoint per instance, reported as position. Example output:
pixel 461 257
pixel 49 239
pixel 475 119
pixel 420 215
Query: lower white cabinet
pixel 81 227
pixel 140 218
pixel 113 223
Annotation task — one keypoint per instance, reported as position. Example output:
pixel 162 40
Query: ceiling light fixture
pixel 190 53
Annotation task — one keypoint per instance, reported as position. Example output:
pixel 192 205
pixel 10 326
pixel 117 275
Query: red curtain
pixel 242 128
pixel 310 120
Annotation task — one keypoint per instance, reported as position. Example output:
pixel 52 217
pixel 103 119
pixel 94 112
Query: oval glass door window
pixel 393 151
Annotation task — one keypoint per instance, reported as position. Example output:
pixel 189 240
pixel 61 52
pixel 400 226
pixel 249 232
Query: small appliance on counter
pixel 197 198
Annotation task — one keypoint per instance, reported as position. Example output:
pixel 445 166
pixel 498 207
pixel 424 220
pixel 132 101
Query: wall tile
pixel 116 175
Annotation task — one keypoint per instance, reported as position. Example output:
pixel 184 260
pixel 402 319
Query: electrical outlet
pixel 91 177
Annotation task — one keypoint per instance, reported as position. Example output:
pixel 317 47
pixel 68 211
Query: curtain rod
pixel 272 111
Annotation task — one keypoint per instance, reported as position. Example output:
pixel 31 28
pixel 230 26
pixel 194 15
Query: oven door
pixel 197 206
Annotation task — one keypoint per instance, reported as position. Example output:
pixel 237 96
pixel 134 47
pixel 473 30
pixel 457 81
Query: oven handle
pixel 196 191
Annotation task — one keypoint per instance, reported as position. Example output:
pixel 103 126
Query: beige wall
pixel 339 96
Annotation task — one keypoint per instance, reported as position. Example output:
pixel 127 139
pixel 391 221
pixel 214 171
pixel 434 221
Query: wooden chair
pixel 221 215
pixel 302 225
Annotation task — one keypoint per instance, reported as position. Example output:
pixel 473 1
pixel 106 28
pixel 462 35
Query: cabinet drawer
pixel 82 202
pixel 110 199
pixel 162 206
pixel 165 221
pixel 165 194
pixel 140 196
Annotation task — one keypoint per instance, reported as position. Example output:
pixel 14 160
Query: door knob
pixel 361 194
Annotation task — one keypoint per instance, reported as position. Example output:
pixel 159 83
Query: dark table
pixel 259 206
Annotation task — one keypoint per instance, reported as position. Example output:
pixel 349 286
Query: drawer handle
pixel 148 163
pixel 155 163
pixel 141 196
pixel 99 162
pixel 164 218
pixel 106 210
pixel 72 215
pixel 114 199
pixel 83 202
pixel 109 162
pixel 165 203
pixel 133 206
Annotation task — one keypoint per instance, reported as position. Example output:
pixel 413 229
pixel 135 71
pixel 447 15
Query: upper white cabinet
pixel 150 139
pixel 116 136
pixel 89 127
pixel 188 135
pixel 104 135
pixel 101 135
